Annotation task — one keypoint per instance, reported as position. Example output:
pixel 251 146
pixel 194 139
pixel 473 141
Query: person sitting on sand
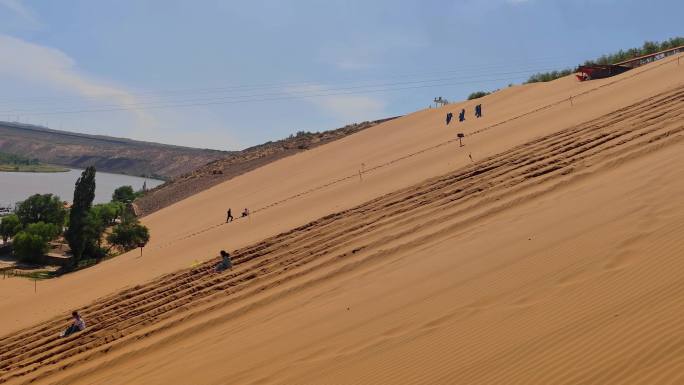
pixel 245 212
pixel 77 326
pixel 225 263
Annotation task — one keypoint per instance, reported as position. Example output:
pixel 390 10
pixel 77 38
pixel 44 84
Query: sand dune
pixel 554 258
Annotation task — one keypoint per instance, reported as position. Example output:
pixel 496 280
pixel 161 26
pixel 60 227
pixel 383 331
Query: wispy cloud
pixel 26 16
pixel 346 108
pixel 53 68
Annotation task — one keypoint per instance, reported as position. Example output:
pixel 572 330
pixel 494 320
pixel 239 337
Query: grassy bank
pixel 16 163
pixel 31 168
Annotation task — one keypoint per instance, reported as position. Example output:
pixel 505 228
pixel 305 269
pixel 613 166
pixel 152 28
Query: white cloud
pixel 53 68
pixel 347 108
pixel 26 15
pixel 38 81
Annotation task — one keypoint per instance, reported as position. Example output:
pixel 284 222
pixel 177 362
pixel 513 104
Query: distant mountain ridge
pixel 106 153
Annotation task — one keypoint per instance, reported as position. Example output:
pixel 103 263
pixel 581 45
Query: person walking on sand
pixel 461 116
pixel 77 326
pixel 229 216
pixel 449 116
pixel 226 263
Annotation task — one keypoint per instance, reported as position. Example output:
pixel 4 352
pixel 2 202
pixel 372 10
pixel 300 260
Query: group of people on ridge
pixel 461 115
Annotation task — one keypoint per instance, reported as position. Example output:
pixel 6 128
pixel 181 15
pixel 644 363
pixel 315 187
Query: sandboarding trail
pixel 313 184
pixel 402 221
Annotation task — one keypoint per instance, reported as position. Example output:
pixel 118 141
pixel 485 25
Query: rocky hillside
pixel 239 163
pixel 118 155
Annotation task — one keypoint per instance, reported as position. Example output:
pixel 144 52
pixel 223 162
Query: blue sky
pixel 230 74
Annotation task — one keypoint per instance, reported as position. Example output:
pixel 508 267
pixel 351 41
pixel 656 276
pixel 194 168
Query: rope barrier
pixel 431 148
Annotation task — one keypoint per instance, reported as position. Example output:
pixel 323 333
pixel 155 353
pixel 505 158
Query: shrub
pixel 548 76
pixel 478 94
pixel 9 227
pixel 30 244
pixel 29 247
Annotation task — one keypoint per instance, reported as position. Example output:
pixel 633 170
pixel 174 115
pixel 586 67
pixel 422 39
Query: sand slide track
pixel 121 315
pixel 346 178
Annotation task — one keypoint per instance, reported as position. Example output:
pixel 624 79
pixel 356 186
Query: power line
pixel 237 88
pixel 236 99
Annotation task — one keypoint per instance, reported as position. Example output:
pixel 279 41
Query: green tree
pixel 108 212
pixel 124 194
pixel 46 208
pixel 32 243
pixel 129 234
pixel 9 227
pixel 100 217
pixel 84 193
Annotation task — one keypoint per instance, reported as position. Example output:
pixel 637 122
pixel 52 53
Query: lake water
pixel 17 186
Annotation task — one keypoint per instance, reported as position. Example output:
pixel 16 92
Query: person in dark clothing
pixel 77 326
pixel 478 111
pixel 461 116
pixel 229 216
pixel 226 263
pixel 448 118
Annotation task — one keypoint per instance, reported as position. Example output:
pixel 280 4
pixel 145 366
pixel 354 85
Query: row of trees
pixel 647 48
pixel 16 159
pixel 43 218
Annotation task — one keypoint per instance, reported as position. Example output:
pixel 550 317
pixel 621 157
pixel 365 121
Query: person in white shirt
pixel 77 326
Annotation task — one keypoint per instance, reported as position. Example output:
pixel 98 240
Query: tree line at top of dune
pixel 649 47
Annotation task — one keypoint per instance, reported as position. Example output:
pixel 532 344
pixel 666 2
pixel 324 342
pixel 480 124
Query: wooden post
pixel 460 137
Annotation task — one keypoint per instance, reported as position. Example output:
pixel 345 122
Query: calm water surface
pixel 17 186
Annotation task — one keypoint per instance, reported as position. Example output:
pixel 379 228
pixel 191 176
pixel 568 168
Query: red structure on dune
pixel 600 71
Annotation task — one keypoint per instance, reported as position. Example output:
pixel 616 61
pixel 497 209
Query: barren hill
pixel 545 250
pixel 117 155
